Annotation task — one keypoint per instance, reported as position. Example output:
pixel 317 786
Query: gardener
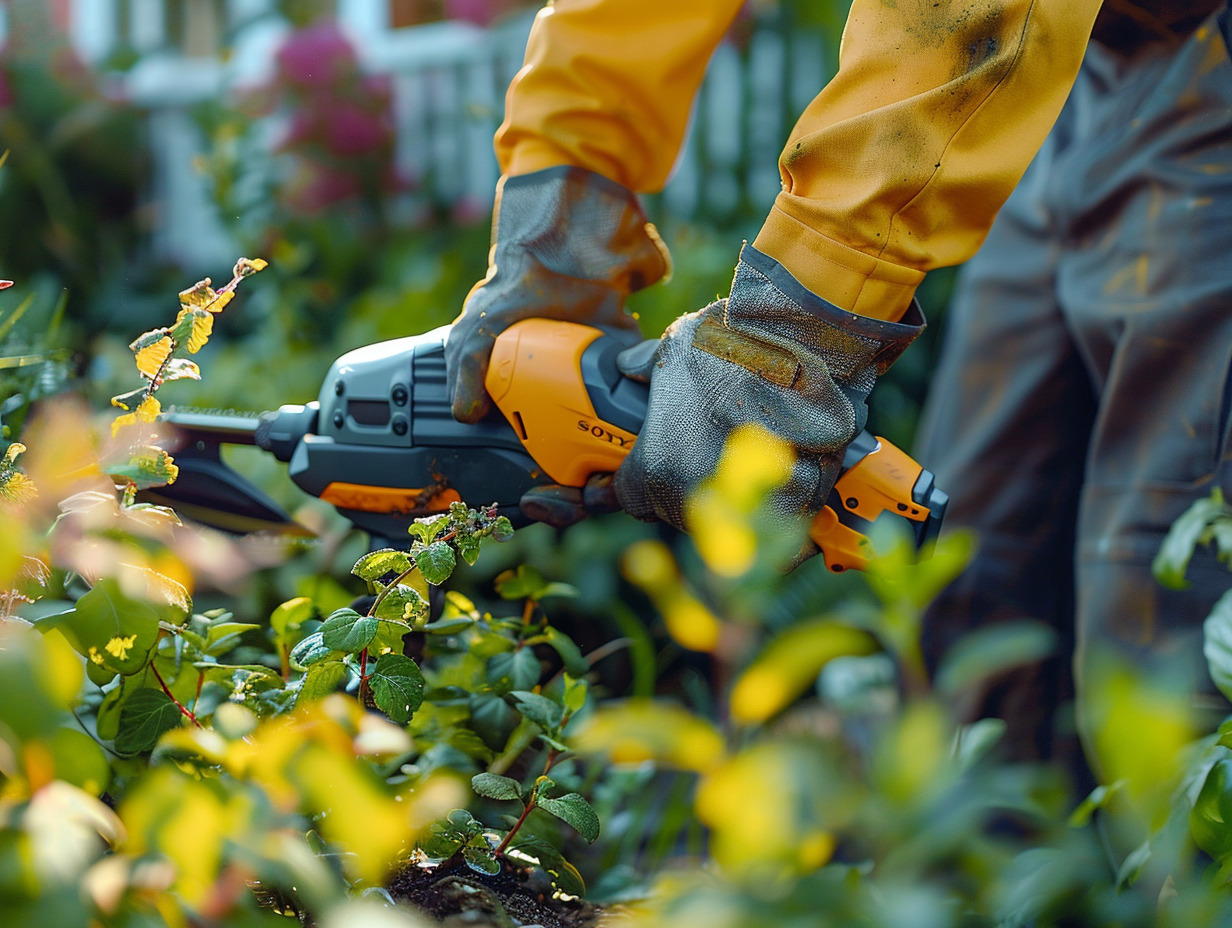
pixel 898 166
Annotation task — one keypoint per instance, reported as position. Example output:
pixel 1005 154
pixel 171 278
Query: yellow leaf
pixel 10 454
pixel 789 665
pixel 148 411
pixel 689 621
pixel 150 359
pixel 641 729
pixel 198 296
pixel 246 267
pixel 202 324
pixel 220 301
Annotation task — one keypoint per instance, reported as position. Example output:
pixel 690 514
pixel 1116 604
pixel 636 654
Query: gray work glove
pixel 566 244
pixel 771 353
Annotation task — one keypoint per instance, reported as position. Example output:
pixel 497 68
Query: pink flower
pixel 318 56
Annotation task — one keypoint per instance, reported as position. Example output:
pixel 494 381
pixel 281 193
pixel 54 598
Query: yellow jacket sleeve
pixel 897 167
pixel 608 84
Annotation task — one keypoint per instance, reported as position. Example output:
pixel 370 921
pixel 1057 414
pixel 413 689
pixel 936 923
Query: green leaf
pixel 145 715
pixel 442 845
pixel 224 636
pixel 523 582
pixel 320 680
pixel 346 630
pixel 574 697
pixel 502 529
pixel 539 709
pixel 575 811
pixel 1210 820
pixel 496 787
pixel 1217 643
pixel 288 618
pixel 428 528
pixel 397 686
pixel 436 562
pixel 481 860
pixel 111 630
pixel 311 651
pixel 513 670
pixel 992 650
pixel 377 564
pixel 1098 799
pixel 404 604
pixel 468 546
pixel 1186 533
pixel 569 652
pixel 973 742
pixel 492 719
pixel 448 626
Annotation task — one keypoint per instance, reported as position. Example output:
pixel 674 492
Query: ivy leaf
pixel 540 710
pixel 494 786
pixel 144 716
pixel 436 562
pixel 111 630
pixel 397 686
pixel 575 811
pixel 321 679
pixel 376 564
pixel 347 630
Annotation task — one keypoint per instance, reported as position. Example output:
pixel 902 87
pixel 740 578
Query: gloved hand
pixel 567 244
pixel 771 353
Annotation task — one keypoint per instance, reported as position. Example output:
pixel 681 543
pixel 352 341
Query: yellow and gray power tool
pixel 381 445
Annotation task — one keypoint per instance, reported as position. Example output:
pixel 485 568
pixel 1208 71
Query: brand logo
pixel 603 434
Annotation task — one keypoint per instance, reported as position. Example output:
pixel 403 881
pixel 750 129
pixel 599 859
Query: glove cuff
pixel 579 224
pixel 764 293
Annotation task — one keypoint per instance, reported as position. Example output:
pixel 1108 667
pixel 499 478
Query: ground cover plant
pixel 731 754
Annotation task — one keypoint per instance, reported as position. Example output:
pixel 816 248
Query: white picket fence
pixel 449 80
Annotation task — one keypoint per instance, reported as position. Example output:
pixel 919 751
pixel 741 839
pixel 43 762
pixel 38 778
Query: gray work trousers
pixel 1083 397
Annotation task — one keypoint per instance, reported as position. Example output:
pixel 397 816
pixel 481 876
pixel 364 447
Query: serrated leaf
pixel 575 811
pixel 397 686
pixel 428 528
pixel 312 650
pixel 146 467
pixel 347 630
pixel 320 680
pixel 403 604
pixel 468 546
pixel 494 786
pixel 539 709
pixel 376 564
pixel 481 860
pixel 436 562
pixel 150 358
pixel 144 716
pixel 513 670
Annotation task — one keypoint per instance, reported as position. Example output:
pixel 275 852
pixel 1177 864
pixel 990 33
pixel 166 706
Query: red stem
pixel 184 710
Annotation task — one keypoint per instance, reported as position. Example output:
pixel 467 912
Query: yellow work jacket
pixel 898 166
